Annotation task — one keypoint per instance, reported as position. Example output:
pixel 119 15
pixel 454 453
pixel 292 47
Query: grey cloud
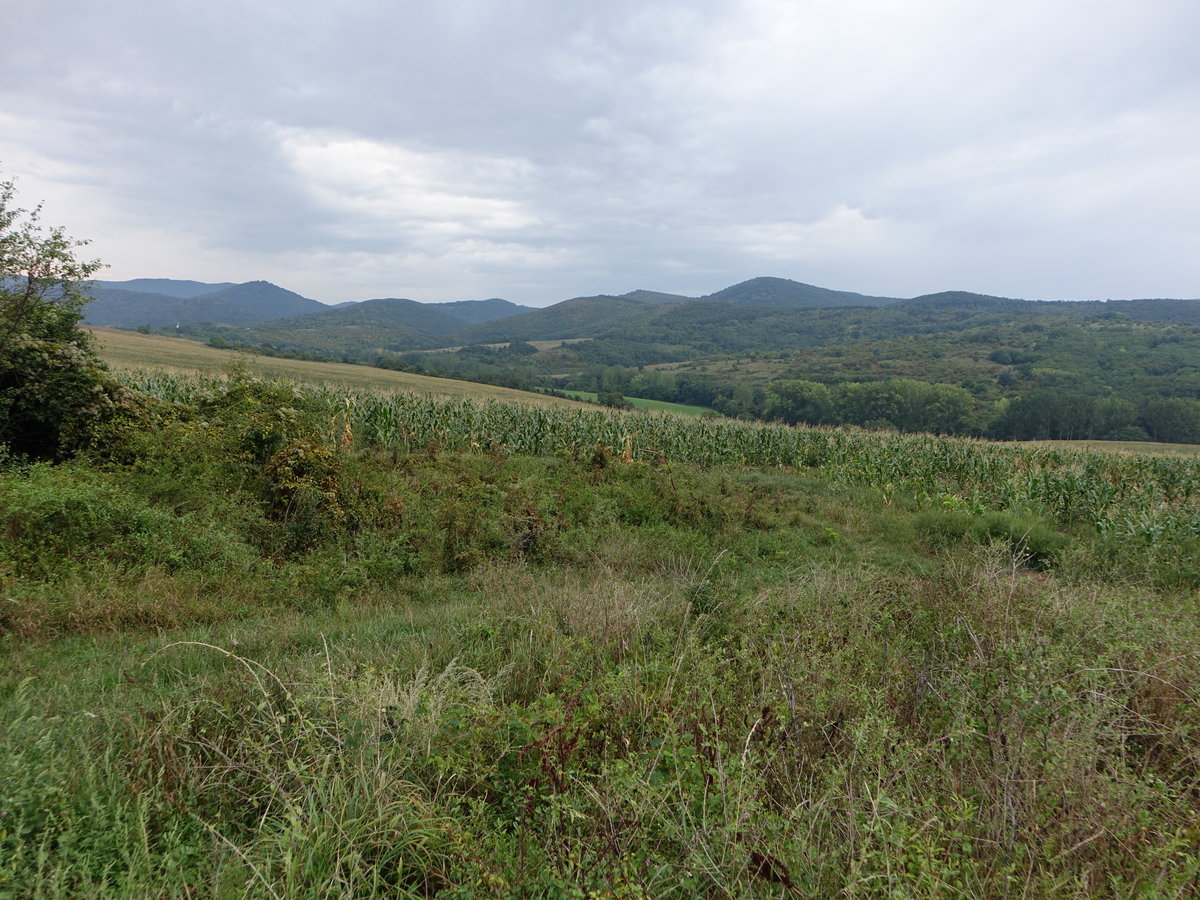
pixel 536 149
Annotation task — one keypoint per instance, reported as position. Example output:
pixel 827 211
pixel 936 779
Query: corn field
pixel 1143 499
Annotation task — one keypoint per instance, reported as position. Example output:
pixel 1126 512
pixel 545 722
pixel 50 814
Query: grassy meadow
pixel 270 640
pixel 648 405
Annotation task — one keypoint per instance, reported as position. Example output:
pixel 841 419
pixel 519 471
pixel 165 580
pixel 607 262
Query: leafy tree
pixel 54 390
pixel 1046 414
pixel 1054 414
pixel 873 404
pixel 522 348
pixel 908 405
pixel 795 400
pixel 613 399
pixel 1113 418
pixel 741 401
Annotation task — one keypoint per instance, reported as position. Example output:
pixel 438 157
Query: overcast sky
pixel 542 149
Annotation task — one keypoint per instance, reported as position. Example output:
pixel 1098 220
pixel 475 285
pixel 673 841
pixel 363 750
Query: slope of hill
pixel 171 287
pixel 382 313
pixel 1182 312
pixel 120 308
pixel 390 324
pixel 238 304
pixel 655 297
pixel 371 326
pixel 476 312
pixel 792 294
pixel 480 650
pixel 596 315
pixel 267 301
pixel 130 351
pixel 960 301
pixel 579 317
pixel 727 350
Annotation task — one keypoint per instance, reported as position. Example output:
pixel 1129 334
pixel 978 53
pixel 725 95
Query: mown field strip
pixel 129 351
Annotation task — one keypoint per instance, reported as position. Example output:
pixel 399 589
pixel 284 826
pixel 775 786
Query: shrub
pixel 1028 536
pixel 304 485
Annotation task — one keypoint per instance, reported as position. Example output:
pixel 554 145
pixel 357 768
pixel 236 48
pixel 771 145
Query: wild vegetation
pixel 267 640
pixel 292 642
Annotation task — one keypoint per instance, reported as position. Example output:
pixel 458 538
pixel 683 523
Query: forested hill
pixel 786 293
pixel 166 303
pixel 761 314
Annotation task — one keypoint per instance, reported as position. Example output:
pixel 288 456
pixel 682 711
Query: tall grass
pixel 841 732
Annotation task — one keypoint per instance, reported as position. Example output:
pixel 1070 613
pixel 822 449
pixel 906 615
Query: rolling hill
pixel 129 351
pixel 783 292
pixel 170 287
pixel 133 304
pixel 165 303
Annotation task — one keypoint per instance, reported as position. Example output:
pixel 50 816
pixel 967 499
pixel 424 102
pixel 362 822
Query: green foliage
pixel 906 404
pixel 56 517
pixel 1074 370
pixel 796 400
pixel 254 417
pixel 1057 414
pixel 1173 419
pixel 54 390
pixel 853 731
pixel 613 400
pixel 1032 540
pixel 304 486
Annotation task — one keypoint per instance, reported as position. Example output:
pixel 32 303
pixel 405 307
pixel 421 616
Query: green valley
pixel 1116 370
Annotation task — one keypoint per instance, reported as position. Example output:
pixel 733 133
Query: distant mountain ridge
pixel 171 287
pixel 787 293
pixel 762 313
pixel 167 302
pixel 1012 368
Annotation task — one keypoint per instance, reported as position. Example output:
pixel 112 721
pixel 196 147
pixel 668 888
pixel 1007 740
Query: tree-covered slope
pixel 115 306
pixel 171 287
pixel 581 317
pixel 793 294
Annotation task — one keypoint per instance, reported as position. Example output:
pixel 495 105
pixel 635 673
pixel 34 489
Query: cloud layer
pixel 537 150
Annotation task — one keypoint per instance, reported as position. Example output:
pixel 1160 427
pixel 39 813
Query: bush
pixel 1029 537
pixel 304 486
pixel 54 390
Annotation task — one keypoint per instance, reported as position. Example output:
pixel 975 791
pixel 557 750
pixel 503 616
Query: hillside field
pixel 130 351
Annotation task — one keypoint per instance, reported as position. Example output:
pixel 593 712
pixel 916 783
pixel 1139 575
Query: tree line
pixel 1040 414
